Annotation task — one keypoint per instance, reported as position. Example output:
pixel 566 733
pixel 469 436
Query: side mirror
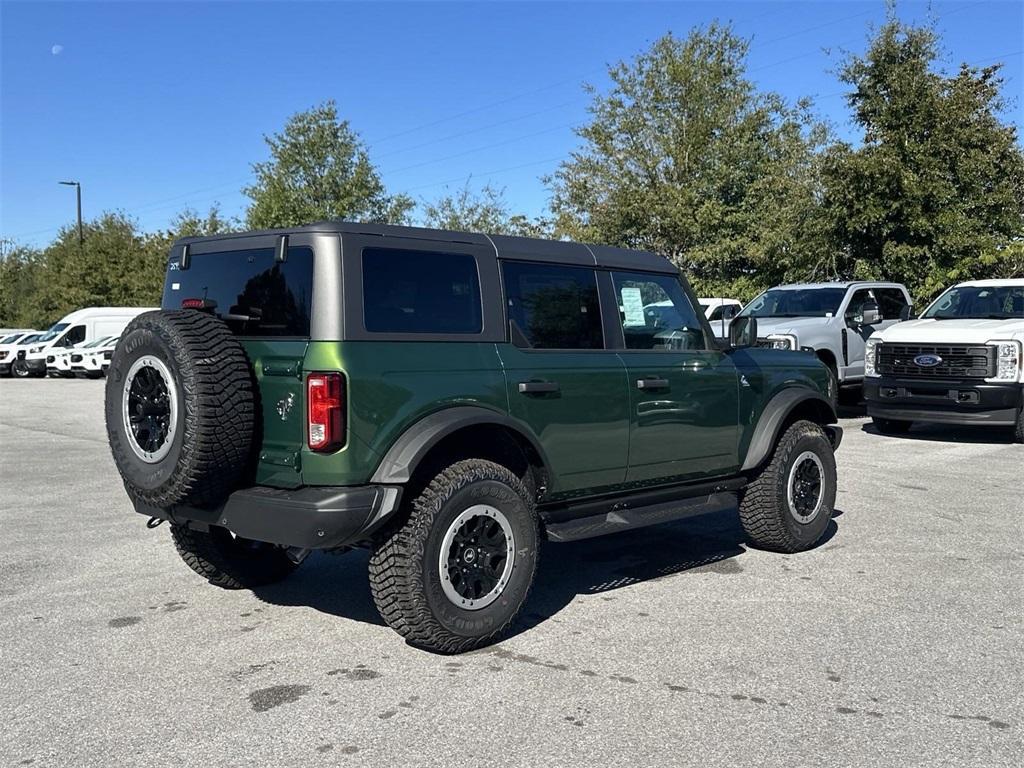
pixel 743 332
pixel 870 316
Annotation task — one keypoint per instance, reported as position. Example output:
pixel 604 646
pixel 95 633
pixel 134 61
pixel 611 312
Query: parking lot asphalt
pixel 897 642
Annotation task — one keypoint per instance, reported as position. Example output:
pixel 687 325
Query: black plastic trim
pixel 405 454
pixel 310 517
pixel 774 415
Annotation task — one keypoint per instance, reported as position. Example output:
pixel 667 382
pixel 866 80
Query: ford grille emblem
pixel 927 361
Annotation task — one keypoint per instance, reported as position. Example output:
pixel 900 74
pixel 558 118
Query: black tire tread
pixel 220 416
pixel 759 515
pixel 396 582
pixel 226 569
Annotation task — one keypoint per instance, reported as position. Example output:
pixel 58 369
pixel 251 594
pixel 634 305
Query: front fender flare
pixel 774 416
pixel 415 442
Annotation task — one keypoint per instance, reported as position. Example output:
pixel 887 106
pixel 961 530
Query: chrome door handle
pixel 537 387
pixel 652 383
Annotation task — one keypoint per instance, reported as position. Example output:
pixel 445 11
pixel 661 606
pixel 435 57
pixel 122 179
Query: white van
pixel 84 325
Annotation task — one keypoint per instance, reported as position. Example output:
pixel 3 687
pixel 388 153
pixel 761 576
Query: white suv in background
pixel 93 362
pixel 961 362
pixel 9 346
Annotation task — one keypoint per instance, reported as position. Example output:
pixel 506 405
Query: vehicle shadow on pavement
pixel 946 433
pixel 337 585
pixel 710 543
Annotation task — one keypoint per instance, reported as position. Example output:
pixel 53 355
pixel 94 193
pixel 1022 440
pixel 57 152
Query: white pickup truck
pixel 961 362
pixel 832 320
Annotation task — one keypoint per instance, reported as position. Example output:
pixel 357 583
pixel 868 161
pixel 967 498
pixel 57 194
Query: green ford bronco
pixel 448 400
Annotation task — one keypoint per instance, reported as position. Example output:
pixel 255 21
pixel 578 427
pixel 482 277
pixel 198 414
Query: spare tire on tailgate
pixel 180 409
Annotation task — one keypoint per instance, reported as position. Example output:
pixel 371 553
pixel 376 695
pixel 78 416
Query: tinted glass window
pixel 795 302
pixel 250 291
pixel 723 312
pixel 656 314
pixel 857 302
pixel 1000 302
pixel 75 336
pixel 891 303
pixel 420 292
pixel 554 307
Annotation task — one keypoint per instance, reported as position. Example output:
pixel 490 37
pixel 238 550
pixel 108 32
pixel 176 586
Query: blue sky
pixel 159 106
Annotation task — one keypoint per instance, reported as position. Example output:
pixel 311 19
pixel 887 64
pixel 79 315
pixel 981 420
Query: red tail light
pixel 325 404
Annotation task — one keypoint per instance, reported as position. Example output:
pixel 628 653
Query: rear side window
pixel 420 292
pixel 250 291
pixel 554 307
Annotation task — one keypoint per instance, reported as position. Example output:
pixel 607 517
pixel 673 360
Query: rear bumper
pixel 309 518
pixel 945 401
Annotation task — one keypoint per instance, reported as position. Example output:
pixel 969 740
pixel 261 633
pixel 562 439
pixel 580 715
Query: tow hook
pixel 297 554
pixel 154 522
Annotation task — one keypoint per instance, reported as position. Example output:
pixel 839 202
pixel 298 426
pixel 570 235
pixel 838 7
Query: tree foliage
pixel 685 157
pixel 319 169
pixel 483 211
pixel 935 194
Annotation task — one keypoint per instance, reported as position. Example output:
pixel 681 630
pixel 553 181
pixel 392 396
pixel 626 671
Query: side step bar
pixel 622 514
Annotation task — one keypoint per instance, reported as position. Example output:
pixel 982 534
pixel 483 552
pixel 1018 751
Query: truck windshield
pixel 795 302
pixel 53 333
pixel 250 290
pixel 990 302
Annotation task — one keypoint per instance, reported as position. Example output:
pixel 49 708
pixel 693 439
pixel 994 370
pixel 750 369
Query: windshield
pixel 10 339
pixel 53 333
pixel 30 338
pixel 795 302
pixel 1001 302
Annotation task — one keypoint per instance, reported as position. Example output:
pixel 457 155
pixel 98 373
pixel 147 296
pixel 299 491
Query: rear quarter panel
pixel 390 386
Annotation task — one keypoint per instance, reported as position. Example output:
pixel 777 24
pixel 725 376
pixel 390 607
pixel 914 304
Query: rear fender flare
pixel 415 442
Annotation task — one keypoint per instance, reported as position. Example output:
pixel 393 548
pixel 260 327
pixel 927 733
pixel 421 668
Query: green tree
pixel 685 157
pixel 20 282
pixel 485 211
pixel 935 194
pixel 319 169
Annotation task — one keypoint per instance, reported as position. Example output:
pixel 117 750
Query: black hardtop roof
pixel 506 247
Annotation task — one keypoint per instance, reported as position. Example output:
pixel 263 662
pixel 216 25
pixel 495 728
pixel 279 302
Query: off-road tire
pixel 405 576
pixel 231 563
pixel 764 508
pixel 215 424
pixel 891 426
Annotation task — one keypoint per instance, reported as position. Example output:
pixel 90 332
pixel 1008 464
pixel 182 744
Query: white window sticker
pixel 175 286
pixel 632 306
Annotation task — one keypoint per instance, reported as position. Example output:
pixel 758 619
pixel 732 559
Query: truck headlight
pixel 870 354
pixel 1008 360
pixel 782 341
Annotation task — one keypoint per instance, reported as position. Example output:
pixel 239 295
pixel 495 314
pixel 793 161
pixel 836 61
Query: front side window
pixel 858 301
pixel 795 302
pixel 75 336
pixel 892 303
pixel 1002 302
pixel 420 292
pixel 656 313
pixel 554 307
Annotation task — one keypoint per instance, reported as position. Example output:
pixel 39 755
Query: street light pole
pixel 78 194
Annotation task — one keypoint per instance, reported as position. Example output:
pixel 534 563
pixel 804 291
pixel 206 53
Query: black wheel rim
pixel 477 557
pixel 149 407
pixel 805 487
